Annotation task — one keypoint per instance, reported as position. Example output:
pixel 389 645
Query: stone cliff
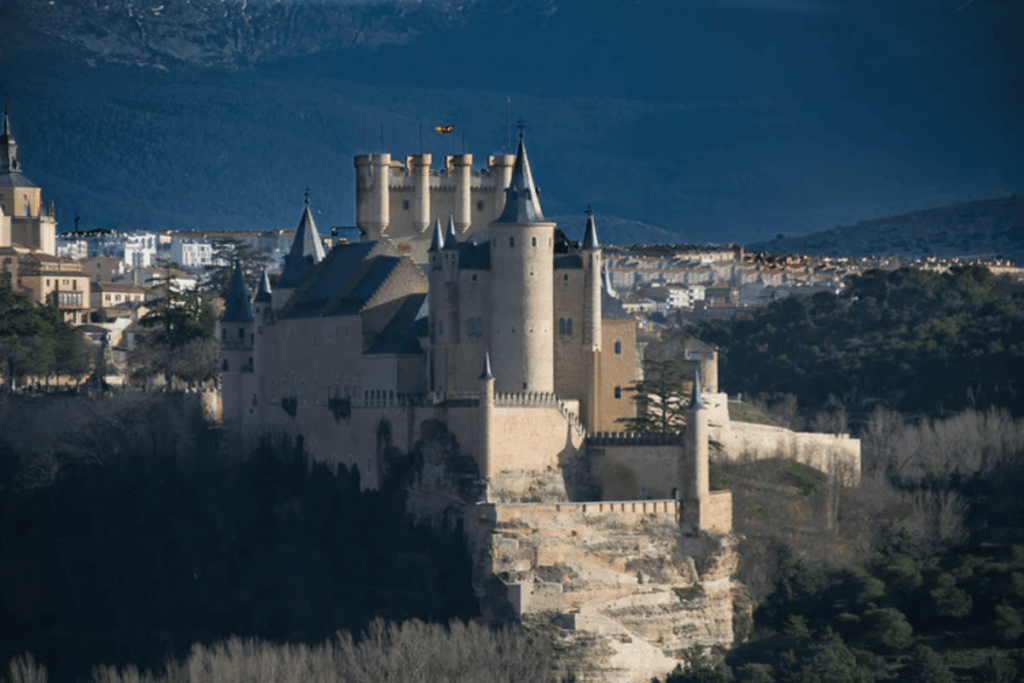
pixel 621 594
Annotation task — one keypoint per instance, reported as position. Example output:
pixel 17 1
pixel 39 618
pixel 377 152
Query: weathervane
pixel 306 193
pixel 521 125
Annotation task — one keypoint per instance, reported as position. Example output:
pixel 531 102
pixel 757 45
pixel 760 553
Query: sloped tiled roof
pixel 473 256
pixel 401 334
pixel 343 283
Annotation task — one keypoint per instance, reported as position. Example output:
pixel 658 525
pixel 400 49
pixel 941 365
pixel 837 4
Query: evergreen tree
pixel 925 666
pixel 661 397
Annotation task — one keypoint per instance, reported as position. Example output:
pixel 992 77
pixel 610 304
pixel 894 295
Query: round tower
pixel 372 194
pixel 436 361
pixel 237 347
pixel 462 169
pixel 500 167
pixel 419 165
pixel 522 299
pixel 695 486
pixel 591 285
pixel 486 415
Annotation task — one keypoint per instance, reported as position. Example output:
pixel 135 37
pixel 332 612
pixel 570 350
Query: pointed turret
pixel 263 294
pixel 307 251
pixel 590 236
pixel 522 205
pixel 606 276
pixel 8 148
pixel 451 240
pixel 696 401
pixel 486 375
pixel 237 307
pixel 437 244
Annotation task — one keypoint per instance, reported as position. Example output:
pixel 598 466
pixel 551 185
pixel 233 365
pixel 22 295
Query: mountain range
pixel 688 121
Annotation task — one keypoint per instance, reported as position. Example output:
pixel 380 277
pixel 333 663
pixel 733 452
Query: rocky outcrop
pixel 623 596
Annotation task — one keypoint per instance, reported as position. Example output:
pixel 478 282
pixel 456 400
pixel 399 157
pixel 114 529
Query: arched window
pixel 618 348
pixel 618 392
pixel 534 240
pixel 561 326
pixel 568 327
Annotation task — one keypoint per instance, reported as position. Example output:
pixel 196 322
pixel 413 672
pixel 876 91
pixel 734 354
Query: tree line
pixel 915 341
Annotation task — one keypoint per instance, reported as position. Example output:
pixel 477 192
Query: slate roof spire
pixel 522 205
pixel 437 244
pixel 264 291
pixel 451 240
pixel 8 148
pixel 697 402
pixel 607 277
pixel 590 235
pixel 487 367
pixel 307 251
pixel 237 307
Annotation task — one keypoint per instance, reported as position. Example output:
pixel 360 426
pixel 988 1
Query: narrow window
pixel 405 204
pixel 565 277
pixel 568 327
pixel 618 392
pixel 534 239
pixel 618 348
pixel 241 333
pixel 561 326
pixel 511 241
pixel 479 206
pixel 225 365
pixel 474 277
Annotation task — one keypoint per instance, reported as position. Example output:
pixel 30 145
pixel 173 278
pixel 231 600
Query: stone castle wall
pixel 834 454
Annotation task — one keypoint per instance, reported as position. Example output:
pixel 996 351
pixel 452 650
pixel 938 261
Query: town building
pixel 24 220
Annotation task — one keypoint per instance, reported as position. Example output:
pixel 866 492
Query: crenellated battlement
pixel 635 439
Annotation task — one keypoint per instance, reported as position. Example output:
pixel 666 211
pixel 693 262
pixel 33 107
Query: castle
pixel 496 350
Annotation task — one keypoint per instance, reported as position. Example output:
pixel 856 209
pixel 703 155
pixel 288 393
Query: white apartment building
pixel 192 254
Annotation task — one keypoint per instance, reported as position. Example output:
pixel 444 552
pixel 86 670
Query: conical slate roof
pixel 522 205
pixel 487 366
pixel 451 240
pixel 437 244
pixel 307 251
pixel 697 402
pixel 237 308
pixel 590 236
pixel 263 294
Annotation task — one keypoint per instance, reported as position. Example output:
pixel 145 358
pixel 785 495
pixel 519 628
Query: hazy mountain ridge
pixel 661 114
pixel 981 228
pixel 235 32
